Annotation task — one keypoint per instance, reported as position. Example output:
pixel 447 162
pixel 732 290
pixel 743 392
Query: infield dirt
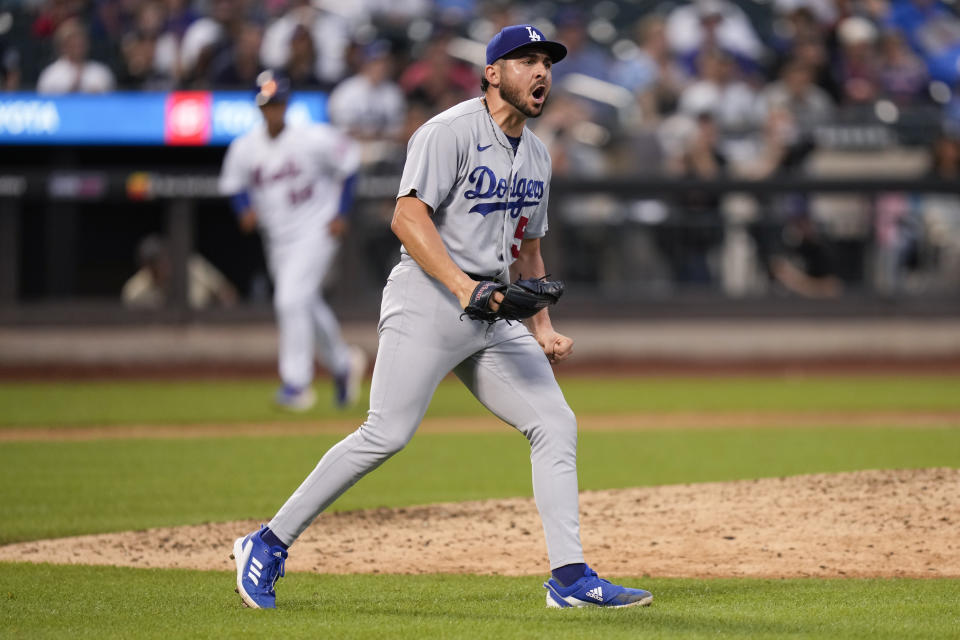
pixel 862 524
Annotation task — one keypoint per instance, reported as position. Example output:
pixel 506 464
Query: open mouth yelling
pixel 540 94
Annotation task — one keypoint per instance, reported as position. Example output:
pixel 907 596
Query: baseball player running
pixel 296 184
pixel 470 212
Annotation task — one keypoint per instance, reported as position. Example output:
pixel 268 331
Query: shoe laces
pixel 277 566
pixel 590 573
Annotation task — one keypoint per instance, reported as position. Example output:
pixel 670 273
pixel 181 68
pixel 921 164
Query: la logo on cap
pixel 511 38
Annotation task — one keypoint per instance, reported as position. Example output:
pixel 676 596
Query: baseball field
pixel 752 506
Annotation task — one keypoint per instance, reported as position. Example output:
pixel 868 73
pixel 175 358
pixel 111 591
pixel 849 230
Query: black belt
pixel 478 277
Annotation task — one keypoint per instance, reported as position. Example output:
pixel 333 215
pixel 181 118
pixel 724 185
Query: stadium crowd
pixel 699 89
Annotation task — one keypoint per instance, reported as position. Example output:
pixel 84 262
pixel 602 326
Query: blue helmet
pixel 272 86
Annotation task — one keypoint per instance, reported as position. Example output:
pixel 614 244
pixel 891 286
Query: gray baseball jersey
pixel 487 201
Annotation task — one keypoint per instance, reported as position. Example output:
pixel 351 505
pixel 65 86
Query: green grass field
pixel 204 401
pixel 51 488
pixel 78 602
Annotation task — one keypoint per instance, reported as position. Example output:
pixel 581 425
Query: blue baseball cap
pixel 520 35
pixel 377 49
pixel 272 86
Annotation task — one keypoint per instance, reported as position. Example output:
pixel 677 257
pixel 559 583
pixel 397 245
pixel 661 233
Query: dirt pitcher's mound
pixel 867 523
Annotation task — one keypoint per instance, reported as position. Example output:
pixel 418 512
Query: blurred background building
pixel 710 156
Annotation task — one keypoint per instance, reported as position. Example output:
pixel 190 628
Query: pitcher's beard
pixel 518 99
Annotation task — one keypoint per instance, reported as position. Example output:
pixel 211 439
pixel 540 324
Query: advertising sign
pixel 193 118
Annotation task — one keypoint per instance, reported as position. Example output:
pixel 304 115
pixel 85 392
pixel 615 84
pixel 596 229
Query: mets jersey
pixel 294 180
pixel 485 199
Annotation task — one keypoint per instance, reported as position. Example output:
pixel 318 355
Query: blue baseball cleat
pixel 593 591
pixel 258 568
pixel 295 399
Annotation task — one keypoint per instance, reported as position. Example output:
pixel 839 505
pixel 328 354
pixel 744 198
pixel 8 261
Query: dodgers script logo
pixel 524 192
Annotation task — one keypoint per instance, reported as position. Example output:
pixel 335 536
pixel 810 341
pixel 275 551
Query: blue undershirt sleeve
pixel 240 202
pixel 346 195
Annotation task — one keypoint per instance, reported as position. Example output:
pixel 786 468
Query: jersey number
pixel 296 197
pixel 521 226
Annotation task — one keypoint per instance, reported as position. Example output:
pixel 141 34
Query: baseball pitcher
pixel 471 210
pixel 296 184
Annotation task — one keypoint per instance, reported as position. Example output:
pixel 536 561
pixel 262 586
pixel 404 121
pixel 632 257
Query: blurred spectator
pixel 180 14
pixel 9 67
pixel 583 56
pixel 51 14
pixel 651 73
pixel 877 11
pixel 393 17
pixel 136 69
pixel 777 147
pixel 895 238
pixel 933 30
pixel 417 113
pixel 399 11
pixel 302 63
pixel 695 229
pixel 704 25
pixel 370 105
pixel 814 54
pixel 238 66
pixel 574 144
pixel 808 105
pixel 109 22
pixel 700 154
pixel 801 259
pixel 793 108
pixel 155 21
pixel 354 13
pixel 437 79
pixel 940 216
pixel 730 102
pixel 373 219
pixel 801 19
pixel 455 11
pixel 494 15
pixel 718 90
pixel 858 67
pixel 150 286
pixel 903 75
pixel 205 38
pixel 801 30
pixel 73 72
pixel 177 16
pixel 570 137
pixel 331 34
pixel 149 54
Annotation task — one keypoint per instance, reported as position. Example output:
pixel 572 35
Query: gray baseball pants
pixel 422 338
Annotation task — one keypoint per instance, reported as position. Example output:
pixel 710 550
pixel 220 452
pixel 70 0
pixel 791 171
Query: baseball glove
pixel 521 299
pixel 479 306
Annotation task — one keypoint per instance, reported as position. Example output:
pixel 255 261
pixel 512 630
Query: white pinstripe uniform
pixel 294 182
